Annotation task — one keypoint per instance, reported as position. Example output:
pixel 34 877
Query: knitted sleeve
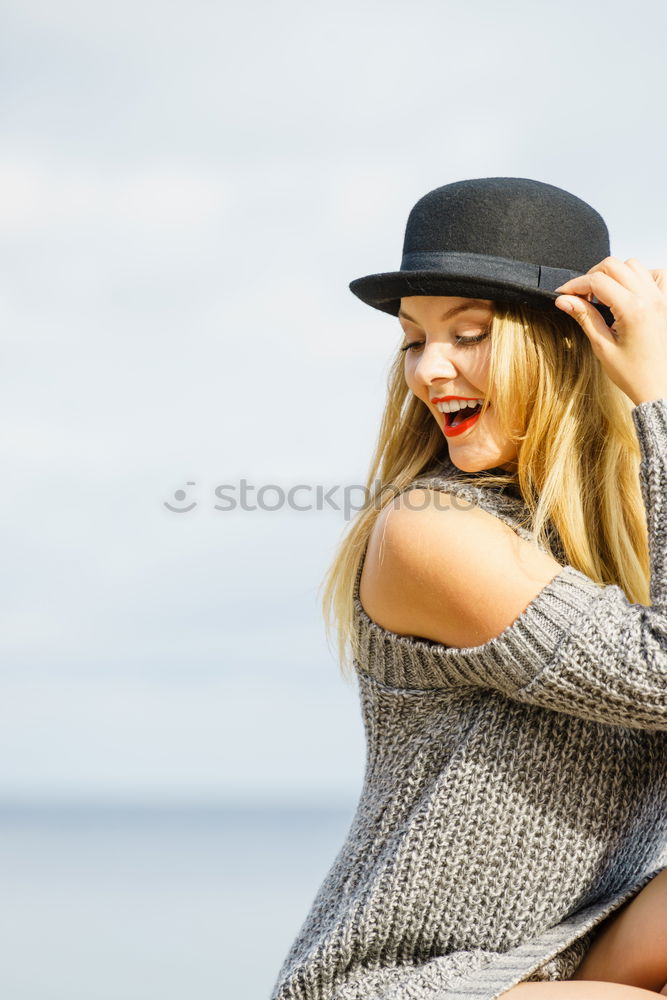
pixel 580 647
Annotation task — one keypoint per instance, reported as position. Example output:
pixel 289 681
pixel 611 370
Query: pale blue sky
pixel 186 190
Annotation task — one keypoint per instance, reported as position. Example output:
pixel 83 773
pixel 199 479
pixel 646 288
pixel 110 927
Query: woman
pixel 504 594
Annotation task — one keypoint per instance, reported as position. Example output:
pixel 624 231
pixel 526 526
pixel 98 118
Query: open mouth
pixel 453 419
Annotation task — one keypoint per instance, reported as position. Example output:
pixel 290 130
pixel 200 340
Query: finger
pixel 604 287
pixel 660 278
pixel 587 316
pixel 632 277
pixel 642 273
pixel 615 268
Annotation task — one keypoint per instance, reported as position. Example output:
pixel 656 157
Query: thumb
pixel 586 315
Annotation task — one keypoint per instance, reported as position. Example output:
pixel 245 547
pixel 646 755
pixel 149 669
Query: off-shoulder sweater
pixel 515 793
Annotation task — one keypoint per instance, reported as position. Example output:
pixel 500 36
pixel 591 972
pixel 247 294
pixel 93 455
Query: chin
pixel 475 466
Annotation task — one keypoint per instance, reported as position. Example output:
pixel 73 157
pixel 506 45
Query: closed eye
pixel 460 341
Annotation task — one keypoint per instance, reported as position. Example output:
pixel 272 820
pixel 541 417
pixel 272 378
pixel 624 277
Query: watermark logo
pixel 346 498
pixel 180 496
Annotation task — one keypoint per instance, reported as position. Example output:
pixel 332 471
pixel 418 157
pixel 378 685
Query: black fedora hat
pixel 510 239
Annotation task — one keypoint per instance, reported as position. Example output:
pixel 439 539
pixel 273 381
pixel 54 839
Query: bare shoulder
pixel 454 573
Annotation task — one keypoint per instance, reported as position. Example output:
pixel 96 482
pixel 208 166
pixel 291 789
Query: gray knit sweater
pixel 515 793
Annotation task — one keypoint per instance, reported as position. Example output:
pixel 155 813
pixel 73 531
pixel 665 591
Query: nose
pixel 433 363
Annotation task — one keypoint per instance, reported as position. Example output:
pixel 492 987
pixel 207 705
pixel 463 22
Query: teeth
pixel 455 404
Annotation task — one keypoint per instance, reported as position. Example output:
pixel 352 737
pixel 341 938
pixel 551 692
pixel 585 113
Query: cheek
pixel 408 372
pixel 415 385
pixel 479 373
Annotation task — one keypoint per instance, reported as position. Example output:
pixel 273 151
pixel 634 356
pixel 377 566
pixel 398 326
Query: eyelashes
pixel 461 341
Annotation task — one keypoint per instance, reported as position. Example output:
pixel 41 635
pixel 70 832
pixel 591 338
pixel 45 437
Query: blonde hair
pixel 577 464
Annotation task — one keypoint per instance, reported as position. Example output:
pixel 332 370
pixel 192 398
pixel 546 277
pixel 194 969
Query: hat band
pixel 477 265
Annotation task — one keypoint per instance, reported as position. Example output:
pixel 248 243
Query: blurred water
pixel 109 903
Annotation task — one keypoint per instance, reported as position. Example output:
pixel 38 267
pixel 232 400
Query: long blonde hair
pixel 577 465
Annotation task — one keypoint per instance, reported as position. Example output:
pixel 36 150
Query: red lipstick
pixel 445 399
pixel 464 425
pixel 460 428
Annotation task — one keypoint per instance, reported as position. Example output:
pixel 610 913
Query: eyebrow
pixel 471 304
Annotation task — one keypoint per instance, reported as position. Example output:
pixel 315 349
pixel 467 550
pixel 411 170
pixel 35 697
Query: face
pixel 447 352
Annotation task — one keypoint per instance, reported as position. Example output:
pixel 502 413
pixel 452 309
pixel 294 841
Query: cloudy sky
pixel 186 190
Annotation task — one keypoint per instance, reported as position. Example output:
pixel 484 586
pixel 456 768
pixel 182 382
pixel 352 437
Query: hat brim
pixel 384 291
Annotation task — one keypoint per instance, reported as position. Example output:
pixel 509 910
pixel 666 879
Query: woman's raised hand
pixel 633 351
